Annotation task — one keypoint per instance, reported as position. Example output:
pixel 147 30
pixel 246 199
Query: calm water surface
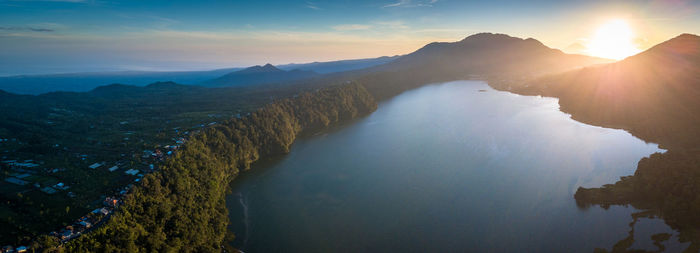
pixel 447 167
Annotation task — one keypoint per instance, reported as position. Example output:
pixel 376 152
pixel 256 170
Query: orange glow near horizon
pixel 613 40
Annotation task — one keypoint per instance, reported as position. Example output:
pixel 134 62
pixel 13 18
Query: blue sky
pixel 53 36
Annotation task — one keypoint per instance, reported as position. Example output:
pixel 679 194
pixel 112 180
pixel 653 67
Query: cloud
pixel 33 29
pixel 351 27
pixel 379 25
pixel 411 3
pixel 62 1
pixel 41 29
pixel 394 25
pixel 397 4
pixel 67 1
pixel 312 6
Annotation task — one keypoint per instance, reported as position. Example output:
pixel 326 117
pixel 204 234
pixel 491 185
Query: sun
pixel 613 40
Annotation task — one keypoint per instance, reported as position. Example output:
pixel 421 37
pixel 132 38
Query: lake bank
pixel 446 166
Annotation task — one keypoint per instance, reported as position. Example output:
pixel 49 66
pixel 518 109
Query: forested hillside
pixel 181 207
pixel 653 95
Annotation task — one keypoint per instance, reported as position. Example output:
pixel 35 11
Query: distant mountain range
pixel 259 75
pixel 38 84
pixel 575 48
pixel 339 66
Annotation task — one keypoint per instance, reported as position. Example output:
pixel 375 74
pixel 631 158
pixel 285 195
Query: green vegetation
pixel 64 133
pixel 181 208
pixel 667 185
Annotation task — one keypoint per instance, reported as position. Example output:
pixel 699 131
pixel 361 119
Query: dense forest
pixel 667 185
pixel 181 208
pixel 114 125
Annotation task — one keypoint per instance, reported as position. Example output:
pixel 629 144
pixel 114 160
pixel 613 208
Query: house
pixel 23 176
pixel 25 164
pixel 66 234
pixel 98 211
pixel 104 211
pixel 95 165
pixel 113 168
pixel 61 186
pixel 7 248
pixel 85 224
pixel 48 190
pixel 16 181
pixel 132 172
pixel 111 202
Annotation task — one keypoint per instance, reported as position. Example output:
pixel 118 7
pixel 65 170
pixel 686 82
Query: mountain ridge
pixel 651 92
pixel 259 75
pixel 485 56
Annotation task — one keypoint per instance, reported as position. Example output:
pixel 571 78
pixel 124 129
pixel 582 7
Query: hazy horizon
pixel 63 36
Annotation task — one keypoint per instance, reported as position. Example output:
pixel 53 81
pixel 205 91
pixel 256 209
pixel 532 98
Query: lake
pixel 449 167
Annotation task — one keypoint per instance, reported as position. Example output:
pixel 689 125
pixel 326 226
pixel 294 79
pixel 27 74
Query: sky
pixel 58 36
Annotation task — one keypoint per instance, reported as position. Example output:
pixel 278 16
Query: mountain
pixel 653 94
pixel 575 48
pixel 339 66
pixel 498 58
pixel 487 54
pixel 259 75
pixel 38 84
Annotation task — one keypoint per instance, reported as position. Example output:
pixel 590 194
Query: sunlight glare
pixel 613 40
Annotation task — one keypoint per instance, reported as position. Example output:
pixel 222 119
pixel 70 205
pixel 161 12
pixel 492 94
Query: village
pixel 29 175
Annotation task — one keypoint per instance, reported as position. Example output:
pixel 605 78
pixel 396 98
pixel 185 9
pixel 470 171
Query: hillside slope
pixel 654 94
pixel 484 56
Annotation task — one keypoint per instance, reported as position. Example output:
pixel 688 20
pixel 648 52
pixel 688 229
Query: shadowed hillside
pixel 487 54
pixel 480 56
pixel 653 95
